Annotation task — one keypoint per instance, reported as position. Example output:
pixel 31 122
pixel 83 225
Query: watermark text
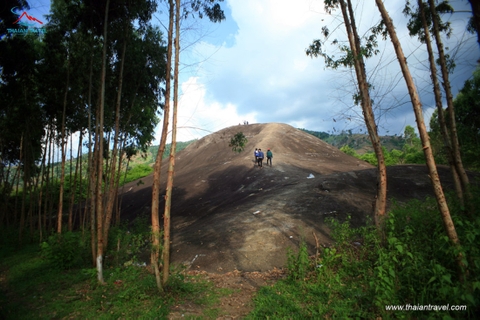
pixel 426 307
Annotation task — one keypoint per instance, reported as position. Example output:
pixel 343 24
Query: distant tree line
pixel 406 148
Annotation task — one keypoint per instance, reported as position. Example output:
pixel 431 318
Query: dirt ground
pixel 233 221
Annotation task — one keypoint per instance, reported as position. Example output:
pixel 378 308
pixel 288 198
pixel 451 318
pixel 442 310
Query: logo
pixel 26 23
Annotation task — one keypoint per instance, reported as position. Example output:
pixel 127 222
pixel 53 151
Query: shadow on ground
pixel 228 214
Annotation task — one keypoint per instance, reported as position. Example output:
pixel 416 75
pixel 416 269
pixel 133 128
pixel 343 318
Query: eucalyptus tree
pixel 123 54
pixel 9 146
pixel 467 114
pixel 419 25
pixel 417 108
pixel 14 74
pixel 63 92
pixel 354 57
pixel 425 21
pixel 56 96
pixel 211 9
pixel 444 66
pixel 21 117
pixel 155 254
pixel 139 102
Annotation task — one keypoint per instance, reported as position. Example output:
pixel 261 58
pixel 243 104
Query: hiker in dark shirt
pixel 260 158
pixel 269 157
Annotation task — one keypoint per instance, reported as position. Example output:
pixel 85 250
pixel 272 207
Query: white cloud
pixel 198 117
pixel 264 75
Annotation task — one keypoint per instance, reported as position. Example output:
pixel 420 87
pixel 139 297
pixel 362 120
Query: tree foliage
pixel 52 89
pixel 410 151
pixel 238 142
pixel 467 114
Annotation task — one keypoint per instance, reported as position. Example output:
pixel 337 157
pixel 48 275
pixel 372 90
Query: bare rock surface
pixel 229 215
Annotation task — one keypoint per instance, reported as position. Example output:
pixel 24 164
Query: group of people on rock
pixel 259 156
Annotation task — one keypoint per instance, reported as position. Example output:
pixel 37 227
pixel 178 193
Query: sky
pixel 253 67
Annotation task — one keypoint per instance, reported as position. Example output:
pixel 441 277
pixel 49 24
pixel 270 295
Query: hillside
pixel 228 214
pixel 359 142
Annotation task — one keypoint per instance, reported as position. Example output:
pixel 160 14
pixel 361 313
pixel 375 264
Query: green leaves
pixel 411 264
pixel 414 25
pixel 367 49
pixel 467 117
pixel 238 142
pixel 298 265
pixel 209 8
pixel 65 251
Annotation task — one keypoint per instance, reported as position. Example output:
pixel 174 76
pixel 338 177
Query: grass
pixel 412 262
pixel 38 291
pixel 33 285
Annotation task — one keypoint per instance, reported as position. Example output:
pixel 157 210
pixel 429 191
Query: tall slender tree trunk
pixel 92 191
pixel 119 202
pixel 24 195
pixel 80 189
pixel 106 169
pixel 171 162
pixel 155 256
pixel 438 102
pixel 40 220
pixel 27 177
pixel 112 185
pixel 90 203
pixel 16 181
pixel 53 180
pixel 26 174
pixel 117 182
pixel 99 196
pixel 73 189
pixel 42 187
pixel 6 196
pixel 17 173
pixel 450 109
pixel 47 180
pixel 34 202
pixel 366 103
pixel 63 146
pixel 70 182
pixel 15 217
pixel 417 108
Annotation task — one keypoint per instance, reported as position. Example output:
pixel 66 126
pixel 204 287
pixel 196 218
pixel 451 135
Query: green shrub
pixel 66 251
pixel 370 158
pixel 349 150
pixel 127 243
pixel 298 264
pixel 137 172
pixel 418 264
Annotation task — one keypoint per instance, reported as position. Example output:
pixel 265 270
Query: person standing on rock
pixel 269 157
pixel 255 154
pixel 260 158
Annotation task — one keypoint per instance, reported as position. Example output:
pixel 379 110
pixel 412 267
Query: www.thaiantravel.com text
pixel 425 307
